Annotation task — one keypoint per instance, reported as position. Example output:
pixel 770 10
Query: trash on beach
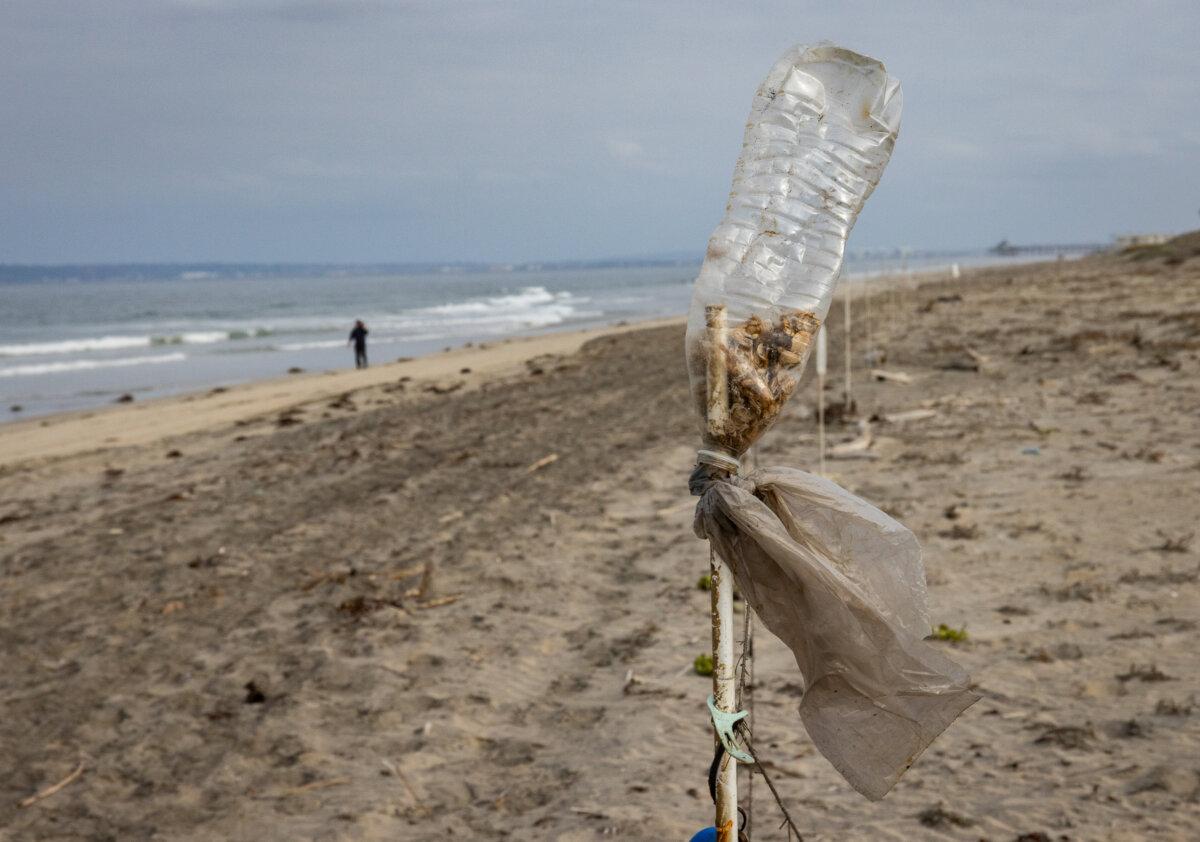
pixel 439 602
pixel 857 448
pixel 843 586
pixel 1042 429
pixel 549 459
pixel 821 130
pixel 885 376
pixel 756 359
pixel 940 816
pixel 359 606
pixel 838 581
pixel 908 415
pixel 967 359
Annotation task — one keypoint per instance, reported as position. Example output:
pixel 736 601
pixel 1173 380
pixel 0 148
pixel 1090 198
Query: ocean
pixel 69 344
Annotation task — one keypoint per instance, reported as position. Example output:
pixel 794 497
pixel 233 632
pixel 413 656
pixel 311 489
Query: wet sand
pixel 465 605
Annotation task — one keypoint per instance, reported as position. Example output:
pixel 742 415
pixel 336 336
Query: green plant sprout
pixel 945 632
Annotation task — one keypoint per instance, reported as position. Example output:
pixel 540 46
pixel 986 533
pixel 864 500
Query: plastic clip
pixel 724 723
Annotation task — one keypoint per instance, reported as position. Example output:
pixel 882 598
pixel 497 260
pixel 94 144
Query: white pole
pixel 721 585
pixel 848 397
pixel 870 344
pixel 748 685
pixel 822 366
pixel 724 691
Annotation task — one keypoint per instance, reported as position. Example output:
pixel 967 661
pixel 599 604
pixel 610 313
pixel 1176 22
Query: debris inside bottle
pixel 750 373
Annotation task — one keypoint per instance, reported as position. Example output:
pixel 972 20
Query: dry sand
pixel 471 613
pixel 72 433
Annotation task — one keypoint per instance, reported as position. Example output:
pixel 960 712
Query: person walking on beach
pixel 359 337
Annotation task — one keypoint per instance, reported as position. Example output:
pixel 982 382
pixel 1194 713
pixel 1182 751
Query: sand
pixel 71 433
pixel 356 607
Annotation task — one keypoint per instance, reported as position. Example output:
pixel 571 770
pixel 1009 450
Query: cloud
pixel 957 148
pixel 631 155
pixel 297 129
pixel 305 11
pixel 626 151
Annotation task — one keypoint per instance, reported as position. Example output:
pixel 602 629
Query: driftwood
pixel 53 788
pixel 398 773
pixel 312 786
pixel 541 463
pixel 758 360
pixel 859 448
pixel 967 360
pixel 909 415
pixel 423 588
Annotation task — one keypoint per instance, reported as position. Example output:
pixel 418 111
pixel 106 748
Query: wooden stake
pixel 717 382
pixel 717 376
pixel 746 697
pixel 724 691
pixel 822 367
pixel 869 345
pixel 848 396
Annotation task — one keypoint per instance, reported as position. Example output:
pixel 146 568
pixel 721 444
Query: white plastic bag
pixel 842 584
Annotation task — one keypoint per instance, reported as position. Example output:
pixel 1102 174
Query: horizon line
pixel 667 257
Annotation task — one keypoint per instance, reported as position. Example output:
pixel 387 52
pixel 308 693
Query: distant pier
pixel 1007 249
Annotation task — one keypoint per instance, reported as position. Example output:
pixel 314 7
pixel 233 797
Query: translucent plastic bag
pixel 842 584
pixel 820 132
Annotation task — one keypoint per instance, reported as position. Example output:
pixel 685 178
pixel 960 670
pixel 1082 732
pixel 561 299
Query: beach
pixel 456 597
pixel 82 337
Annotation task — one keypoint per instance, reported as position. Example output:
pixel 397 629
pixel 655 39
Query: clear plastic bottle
pixel 820 132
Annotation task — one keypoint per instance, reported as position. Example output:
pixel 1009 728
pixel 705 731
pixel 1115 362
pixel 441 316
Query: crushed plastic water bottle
pixel 820 132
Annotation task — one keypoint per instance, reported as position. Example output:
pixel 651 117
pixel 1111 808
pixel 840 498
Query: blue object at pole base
pixel 709 834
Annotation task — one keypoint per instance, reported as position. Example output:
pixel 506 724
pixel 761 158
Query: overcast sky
pixel 365 130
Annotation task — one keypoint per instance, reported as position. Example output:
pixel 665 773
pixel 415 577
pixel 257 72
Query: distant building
pixel 1132 241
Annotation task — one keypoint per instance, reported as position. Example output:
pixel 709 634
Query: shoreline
pixel 99 429
pixel 89 370
pixel 113 426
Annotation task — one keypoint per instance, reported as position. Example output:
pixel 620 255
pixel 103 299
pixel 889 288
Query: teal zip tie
pixel 724 723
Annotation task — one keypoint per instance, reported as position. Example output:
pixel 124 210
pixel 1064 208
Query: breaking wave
pixel 116 343
pixel 532 307
pixel 528 309
pixel 86 365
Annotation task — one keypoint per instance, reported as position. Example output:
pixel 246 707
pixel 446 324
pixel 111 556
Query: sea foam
pixel 110 343
pixel 86 365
